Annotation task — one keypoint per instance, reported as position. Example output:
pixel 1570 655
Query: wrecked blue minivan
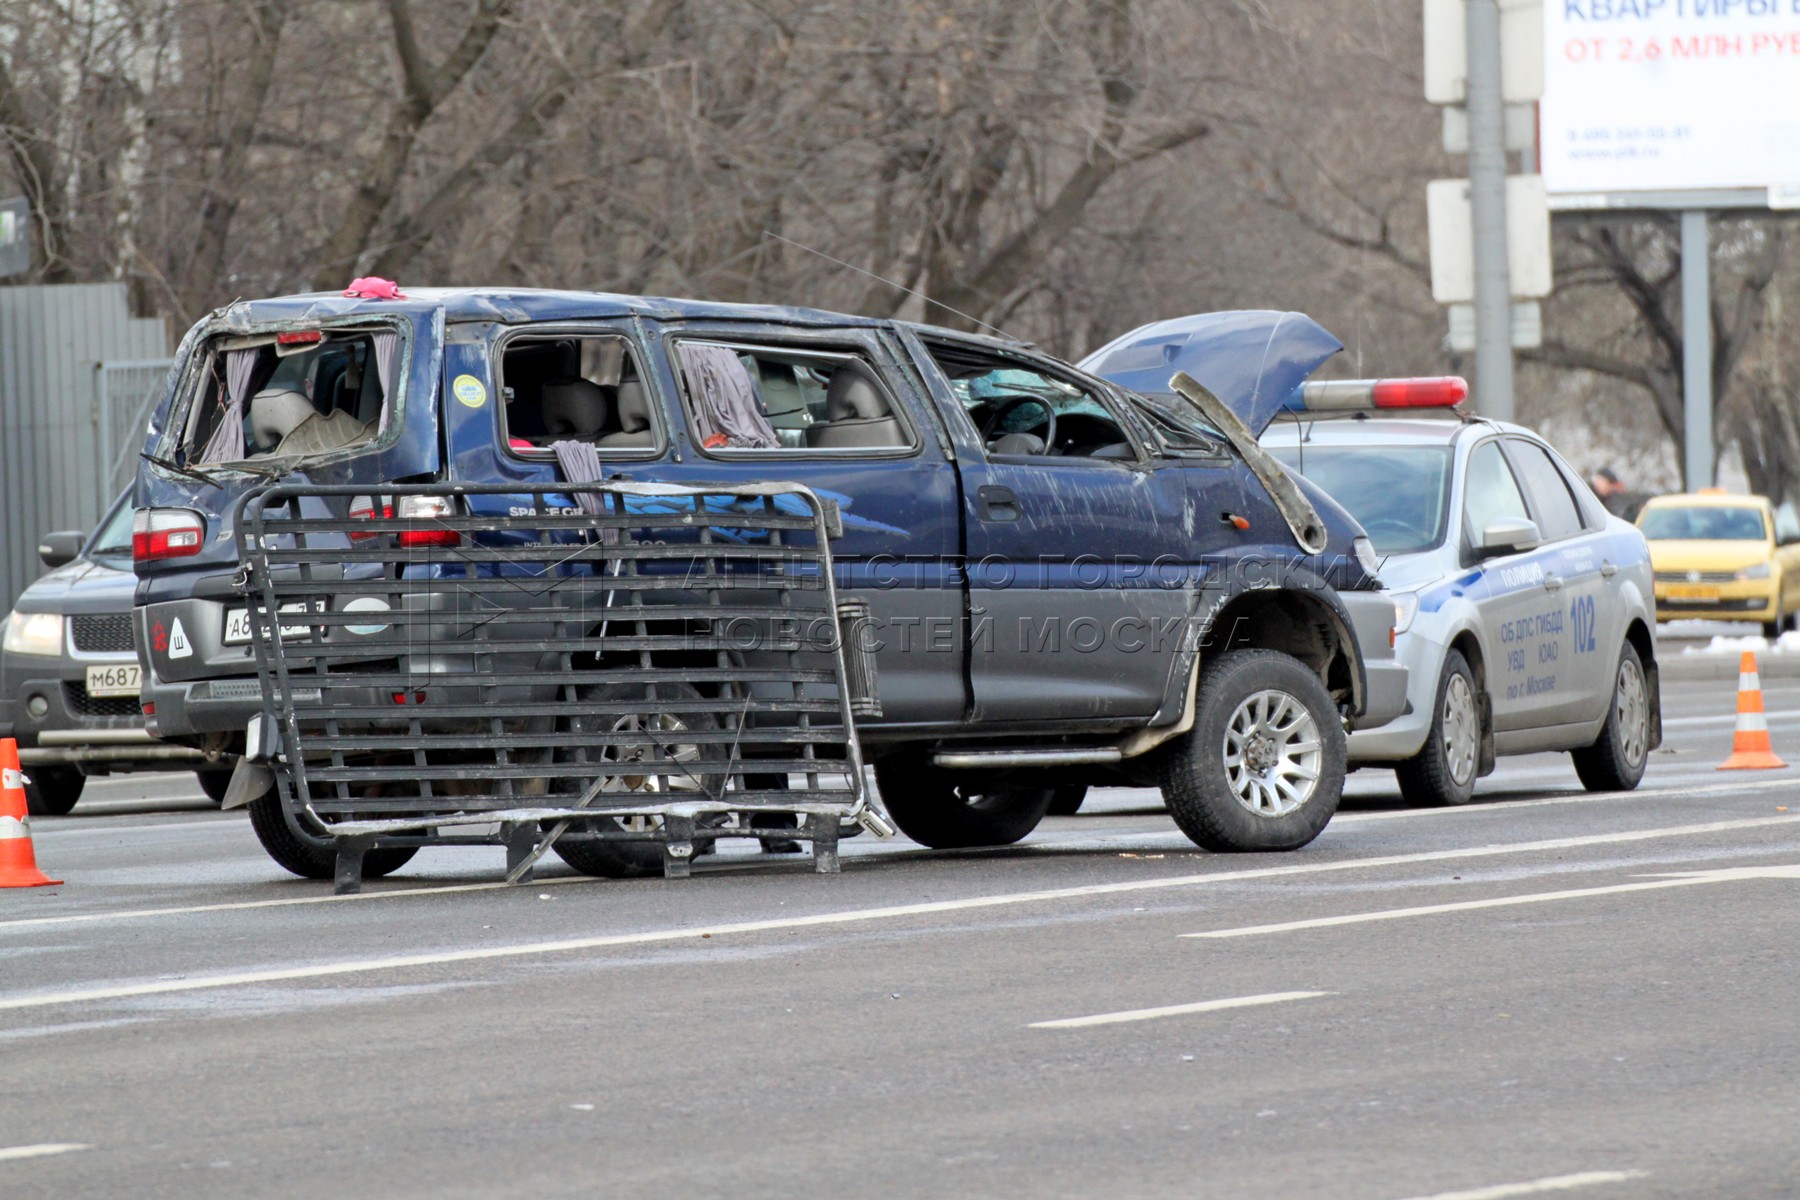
pixel 1073 576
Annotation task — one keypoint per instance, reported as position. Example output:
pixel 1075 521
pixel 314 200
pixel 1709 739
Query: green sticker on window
pixel 469 390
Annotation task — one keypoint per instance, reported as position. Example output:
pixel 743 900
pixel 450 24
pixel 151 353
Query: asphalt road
pixel 1585 995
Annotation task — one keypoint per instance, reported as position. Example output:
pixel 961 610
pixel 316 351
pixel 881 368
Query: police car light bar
pixel 1365 395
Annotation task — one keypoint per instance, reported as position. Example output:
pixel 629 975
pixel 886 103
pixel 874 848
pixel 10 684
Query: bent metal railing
pixel 648 666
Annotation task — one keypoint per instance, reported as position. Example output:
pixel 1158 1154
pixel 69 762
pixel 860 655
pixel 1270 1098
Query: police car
pixel 1525 612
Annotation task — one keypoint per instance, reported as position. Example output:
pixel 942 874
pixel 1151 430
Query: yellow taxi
pixel 1720 557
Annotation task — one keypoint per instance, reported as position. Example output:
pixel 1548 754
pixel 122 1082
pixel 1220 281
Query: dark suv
pixel 69 674
pixel 1070 582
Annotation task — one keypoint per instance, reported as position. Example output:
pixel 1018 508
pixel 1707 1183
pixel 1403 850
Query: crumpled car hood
pixel 1252 360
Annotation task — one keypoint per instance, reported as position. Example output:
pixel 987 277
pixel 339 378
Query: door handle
pixel 1552 583
pixel 997 503
pixel 1608 570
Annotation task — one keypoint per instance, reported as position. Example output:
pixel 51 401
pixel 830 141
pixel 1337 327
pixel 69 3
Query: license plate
pixel 237 624
pixel 120 679
pixel 1686 592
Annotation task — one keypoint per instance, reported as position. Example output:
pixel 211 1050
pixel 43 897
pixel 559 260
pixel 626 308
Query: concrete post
pixel 1487 202
pixel 1696 352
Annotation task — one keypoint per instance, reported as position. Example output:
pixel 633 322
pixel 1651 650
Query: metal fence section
pixel 53 474
pixel 127 392
pixel 623 672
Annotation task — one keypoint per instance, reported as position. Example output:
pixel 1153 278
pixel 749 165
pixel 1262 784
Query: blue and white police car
pixel 1525 611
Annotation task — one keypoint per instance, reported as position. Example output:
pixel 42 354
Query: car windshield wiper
pixel 177 469
pixel 211 480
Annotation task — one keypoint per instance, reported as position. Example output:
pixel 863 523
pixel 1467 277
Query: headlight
pixel 1406 607
pixel 1759 571
pixel 1366 556
pixel 34 633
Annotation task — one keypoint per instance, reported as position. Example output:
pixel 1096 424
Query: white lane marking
pixel 64 829
pixel 1174 1010
pixel 1728 718
pixel 1506 806
pixel 849 917
pixel 1537 1187
pixel 41 1150
pixel 286 902
pixel 1099 889
pixel 1684 879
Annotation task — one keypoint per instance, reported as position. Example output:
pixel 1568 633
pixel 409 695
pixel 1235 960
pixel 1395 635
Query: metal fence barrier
pixel 623 672
pixel 127 391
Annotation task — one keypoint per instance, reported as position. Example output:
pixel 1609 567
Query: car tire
pixel 310 857
pixel 948 811
pixel 215 784
pixel 1773 629
pixel 52 791
pixel 1067 801
pixel 634 859
pixel 1616 760
pixel 1444 771
pixel 1256 710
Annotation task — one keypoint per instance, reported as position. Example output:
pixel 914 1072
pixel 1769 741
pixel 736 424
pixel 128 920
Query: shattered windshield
pixel 289 395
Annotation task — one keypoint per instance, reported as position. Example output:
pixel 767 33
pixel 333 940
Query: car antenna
pixel 891 283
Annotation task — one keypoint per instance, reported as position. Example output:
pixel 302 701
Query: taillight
pixel 363 509
pixel 158 533
pixel 300 337
pixel 427 508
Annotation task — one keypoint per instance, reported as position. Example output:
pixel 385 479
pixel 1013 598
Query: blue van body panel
pixel 1252 361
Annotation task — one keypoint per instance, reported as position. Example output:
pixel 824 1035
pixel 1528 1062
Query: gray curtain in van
pixel 227 441
pixel 724 398
pixel 387 352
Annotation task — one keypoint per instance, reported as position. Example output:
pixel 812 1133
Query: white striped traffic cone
pixel 18 864
pixel 1750 748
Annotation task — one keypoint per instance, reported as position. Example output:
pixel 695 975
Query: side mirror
pixel 59 548
pixel 1509 535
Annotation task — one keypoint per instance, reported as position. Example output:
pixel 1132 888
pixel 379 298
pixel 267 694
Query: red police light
pixel 1446 391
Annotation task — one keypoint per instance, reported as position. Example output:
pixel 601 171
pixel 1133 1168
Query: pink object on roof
pixel 373 287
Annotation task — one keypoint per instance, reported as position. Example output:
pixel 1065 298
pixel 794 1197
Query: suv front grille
pixel 85 705
pixel 107 633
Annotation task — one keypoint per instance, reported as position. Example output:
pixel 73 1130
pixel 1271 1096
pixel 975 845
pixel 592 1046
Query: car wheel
pixel 1616 760
pixel 1772 629
pixel 1263 767
pixel 637 859
pixel 948 811
pixel 215 784
pixel 1067 801
pixel 314 857
pixel 52 791
pixel 1444 770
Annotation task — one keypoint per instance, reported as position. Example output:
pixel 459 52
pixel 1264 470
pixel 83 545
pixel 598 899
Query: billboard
pixel 1670 95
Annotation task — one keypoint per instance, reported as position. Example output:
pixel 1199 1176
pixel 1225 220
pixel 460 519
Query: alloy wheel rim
pixel 1631 710
pixel 1273 753
pixel 1461 730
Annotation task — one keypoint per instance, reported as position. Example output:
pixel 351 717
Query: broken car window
pixel 294 394
pixel 747 397
pixel 574 388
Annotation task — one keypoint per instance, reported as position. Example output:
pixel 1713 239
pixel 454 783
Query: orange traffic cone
pixel 1750 748
pixel 18 865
